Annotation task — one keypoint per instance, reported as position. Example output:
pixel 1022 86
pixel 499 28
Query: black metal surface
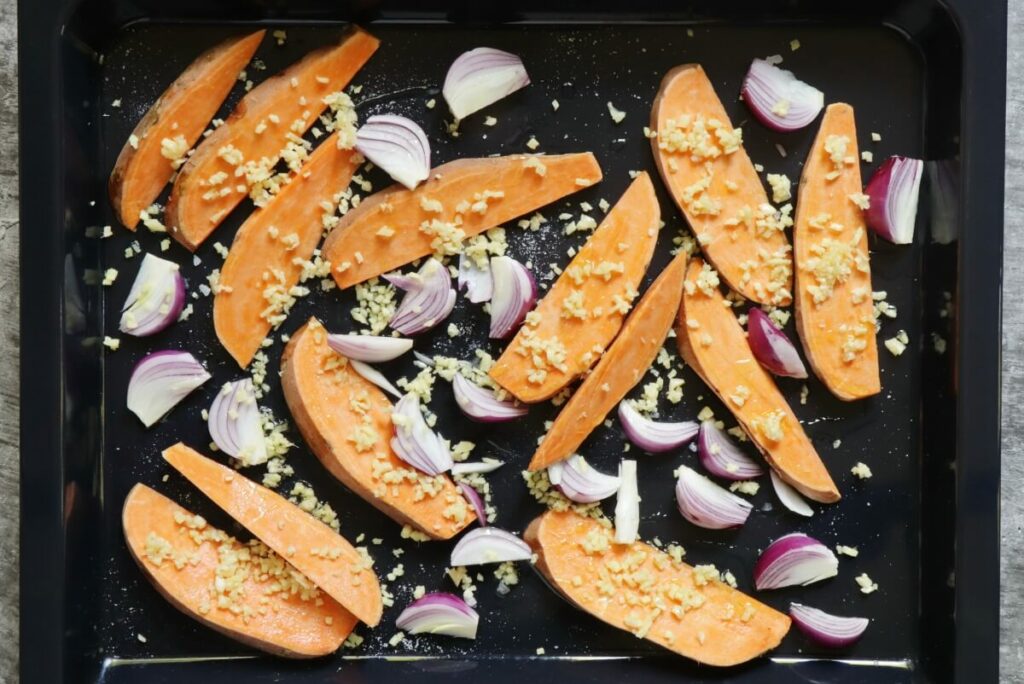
pixel 84 602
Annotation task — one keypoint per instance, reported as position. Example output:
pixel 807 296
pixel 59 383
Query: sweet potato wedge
pixel 641 589
pixel 580 315
pixel 346 421
pixel 273 248
pixel 257 133
pixel 619 369
pixel 244 591
pixel 317 551
pixel 461 199
pixel 714 344
pixel 834 308
pixel 179 116
pixel 709 175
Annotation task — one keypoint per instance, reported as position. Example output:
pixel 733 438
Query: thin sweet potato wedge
pixel 641 589
pixel 317 551
pixel 706 170
pixel 179 116
pixel 246 147
pixel 245 591
pixel 461 199
pixel 834 308
pixel 580 315
pixel 272 250
pixel 714 344
pixel 619 370
pixel 346 421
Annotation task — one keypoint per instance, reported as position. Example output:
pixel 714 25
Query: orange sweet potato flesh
pixel 358 253
pixel 265 248
pixel 184 109
pixel 714 344
pixel 702 619
pixel 756 261
pixel 328 401
pixel 619 370
pixel 260 615
pixel 833 329
pixel 190 217
pixel 317 551
pixel 625 238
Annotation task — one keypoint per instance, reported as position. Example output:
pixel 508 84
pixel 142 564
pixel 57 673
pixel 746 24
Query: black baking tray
pixel 929 76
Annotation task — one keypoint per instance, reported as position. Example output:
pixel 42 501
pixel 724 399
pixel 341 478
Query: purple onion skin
pixel 816 635
pixel 879 189
pixel 473 497
pixel 765 341
pixel 781 546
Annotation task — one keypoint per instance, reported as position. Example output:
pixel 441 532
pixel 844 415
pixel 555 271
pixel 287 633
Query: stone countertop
pixel 1012 618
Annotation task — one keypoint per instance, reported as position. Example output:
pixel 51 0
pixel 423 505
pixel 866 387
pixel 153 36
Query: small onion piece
pixel 790 498
pixel 893 192
pixel 160 380
pixel 485 466
pixel 398 145
pixel 707 505
pixel 826 629
pixel 369 348
pixel 156 298
pixel 429 298
pixel 481 77
pixel 414 442
pixel 234 423
pixel 778 99
pixel 794 559
pixel 627 504
pixel 651 435
pixel 515 292
pixel 473 497
pixel 439 613
pixel 480 404
pixel 489 545
pixel 721 457
pixel 474 280
pixel 373 375
pixel 771 347
pixel 579 482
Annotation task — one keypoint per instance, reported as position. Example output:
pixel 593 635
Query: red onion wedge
pixel 485 466
pixel 654 436
pixel 515 293
pixel 476 281
pixel 160 380
pixel 473 497
pixel 578 480
pixel 893 191
pixel 373 375
pixel 722 458
pixel 489 545
pixel 156 298
pixel 707 505
pixel 790 498
pixel 428 300
pixel 414 442
pixel 779 99
pixel 234 423
pixel 771 347
pixel 480 403
pixel 369 348
pixel 481 77
pixel 792 560
pixel 627 504
pixel 398 145
pixel 439 613
pixel 826 629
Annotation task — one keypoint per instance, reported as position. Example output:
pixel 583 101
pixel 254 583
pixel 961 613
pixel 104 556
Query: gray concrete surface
pixel 1012 642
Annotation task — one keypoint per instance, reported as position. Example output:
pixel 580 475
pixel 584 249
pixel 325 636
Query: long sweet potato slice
pixel 834 308
pixel 583 311
pixel 317 551
pixel 272 249
pixel 179 115
pixel 707 171
pixel 346 421
pixel 619 370
pixel 641 589
pixel 245 591
pixel 712 341
pixel 256 135
pixel 461 199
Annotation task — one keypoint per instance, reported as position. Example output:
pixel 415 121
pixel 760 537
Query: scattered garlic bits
pixel 898 344
pixel 770 425
pixel 375 305
pixel 844 550
pixel 867 586
pixel 175 150
pixel 617 115
pixel 861 470
pixel 832 263
pixel 781 187
pixel 544 492
pixel 701 140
